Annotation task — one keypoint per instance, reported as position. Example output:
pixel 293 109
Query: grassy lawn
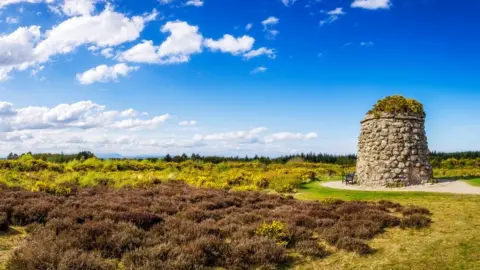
pixel 452 241
pixel 474 182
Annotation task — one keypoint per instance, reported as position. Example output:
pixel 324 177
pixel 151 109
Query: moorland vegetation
pixel 176 226
pixel 38 173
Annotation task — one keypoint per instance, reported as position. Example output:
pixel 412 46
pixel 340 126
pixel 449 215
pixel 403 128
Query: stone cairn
pixel 393 149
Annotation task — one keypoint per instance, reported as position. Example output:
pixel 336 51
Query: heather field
pixel 156 214
pixel 174 226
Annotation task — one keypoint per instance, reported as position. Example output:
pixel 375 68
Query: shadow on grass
pixel 458 178
pixel 11 232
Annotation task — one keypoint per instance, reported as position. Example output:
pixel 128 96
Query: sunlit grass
pixel 474 182
pixel 8 241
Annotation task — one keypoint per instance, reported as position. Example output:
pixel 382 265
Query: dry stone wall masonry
pixel 393 151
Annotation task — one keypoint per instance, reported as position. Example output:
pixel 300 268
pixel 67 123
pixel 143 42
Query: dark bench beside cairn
pixel 349 179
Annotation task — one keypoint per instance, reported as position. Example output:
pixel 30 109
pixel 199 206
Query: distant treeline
pixel 455 155
pixel 438 159
pixel 310 157
pixel 56 158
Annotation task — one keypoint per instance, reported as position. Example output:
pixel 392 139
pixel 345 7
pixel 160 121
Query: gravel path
pixel 445 186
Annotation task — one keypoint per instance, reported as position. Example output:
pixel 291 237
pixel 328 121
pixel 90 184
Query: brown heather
pixel 175 226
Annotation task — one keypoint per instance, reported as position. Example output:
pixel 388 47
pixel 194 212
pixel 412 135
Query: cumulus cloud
pixel 184 41
pixel 104 73
pixel 86 125
pixel 101 30
pixel 6 109
pixel 4 3
pixel 230 44
pixel 78 7
pixel 259 52
pixel 25 48
pixel 372 4
pixel 16 50
pixel 249 26
pixel 332 16
pixel 80 115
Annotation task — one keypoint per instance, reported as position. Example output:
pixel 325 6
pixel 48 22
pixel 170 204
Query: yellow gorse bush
pixel 38 175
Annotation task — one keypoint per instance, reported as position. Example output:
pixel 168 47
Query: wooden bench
pixel 349 179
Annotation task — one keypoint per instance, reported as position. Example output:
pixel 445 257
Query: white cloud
pixel 107 29
pixel 184 40
pixel 366 44
pixel 129 113
pixel 80 115
pixel 288 2
pixel 333 15
pixel 6 109
pixel 259 70
pixel 372 4
pixel 230 44
pixel 245 136
pixel 16 49
pixel 337 11
pixel 12 20
pixel 4 3
pixel 107 52
pixel 270 21
pixel 259 52
pixel 104 73
pixel 287 136
pixel 196 3
pixel 139 124
pixel 24 47
pixel 78 7
pixel 267 26
pixel 249 26
pixel 188 123
pixel 86 125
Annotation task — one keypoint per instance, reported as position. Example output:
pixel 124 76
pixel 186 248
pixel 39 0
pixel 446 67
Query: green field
pixel 474 182
pixel 452 241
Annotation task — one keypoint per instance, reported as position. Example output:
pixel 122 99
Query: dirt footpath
pixel 444 186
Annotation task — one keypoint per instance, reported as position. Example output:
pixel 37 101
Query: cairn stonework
pixel 393 151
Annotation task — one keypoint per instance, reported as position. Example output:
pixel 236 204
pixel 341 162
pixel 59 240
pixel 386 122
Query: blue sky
pixel 231 77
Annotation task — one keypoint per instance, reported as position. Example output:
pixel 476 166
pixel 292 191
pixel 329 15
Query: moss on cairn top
pixel 398 104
